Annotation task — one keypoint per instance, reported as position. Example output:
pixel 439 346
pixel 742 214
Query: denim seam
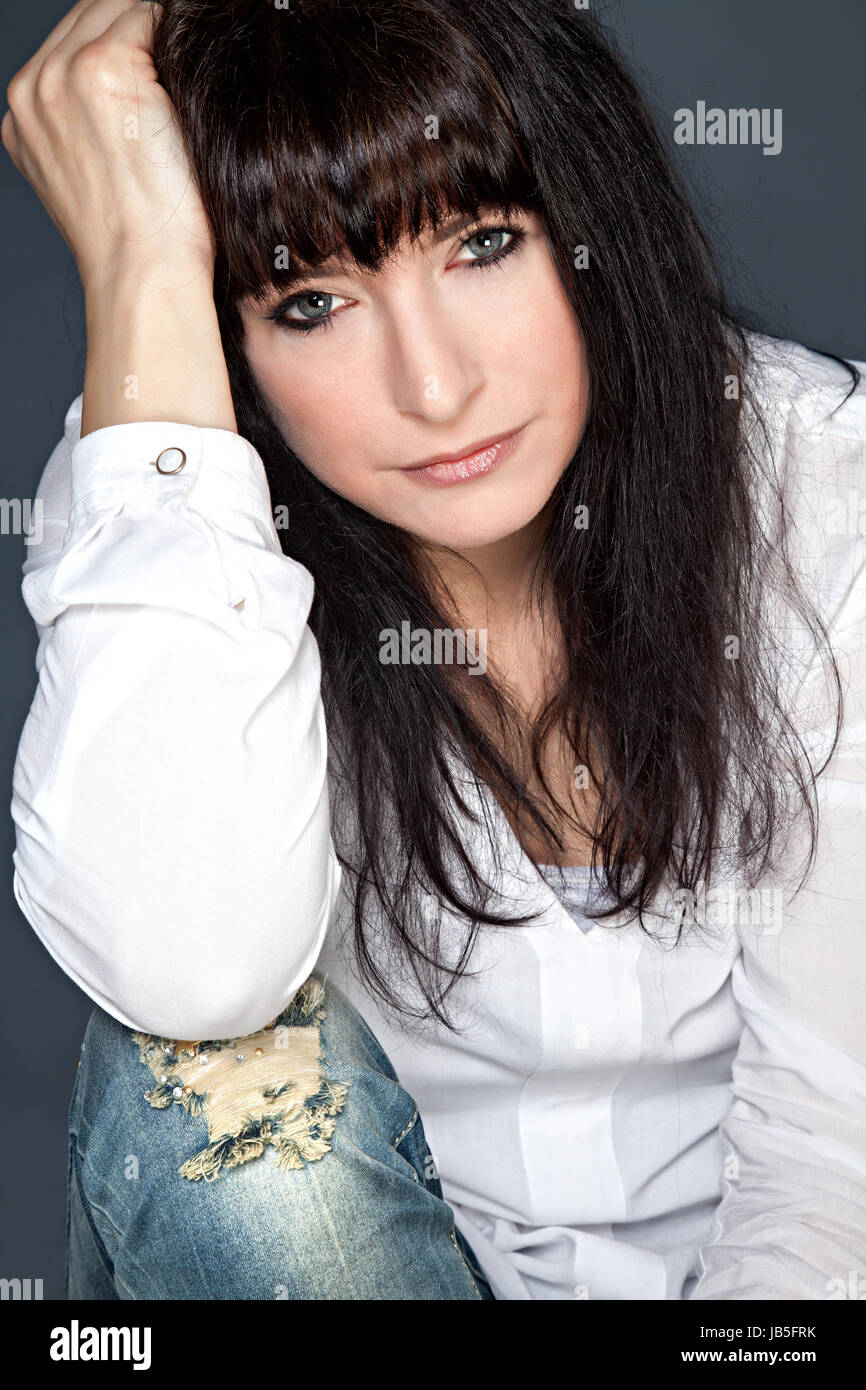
pixel 463 1259
pixel 475 1269
pixel 405 1131
pixel 94 1206
pixel 86 1206
pixel 70 1159
pixel 453 1236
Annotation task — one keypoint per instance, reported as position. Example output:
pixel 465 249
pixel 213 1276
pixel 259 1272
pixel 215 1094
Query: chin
pixel 472 531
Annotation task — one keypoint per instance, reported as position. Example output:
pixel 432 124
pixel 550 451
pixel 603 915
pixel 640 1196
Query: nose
pixel 435 361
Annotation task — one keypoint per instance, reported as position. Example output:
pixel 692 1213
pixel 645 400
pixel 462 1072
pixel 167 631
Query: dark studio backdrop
pixel 789 229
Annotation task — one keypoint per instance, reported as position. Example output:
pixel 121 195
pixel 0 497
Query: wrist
pixel 153 353
pixel 178 271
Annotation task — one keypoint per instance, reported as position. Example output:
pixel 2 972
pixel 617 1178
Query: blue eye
pixel 489 240
pixel 316 307
pixel 326 303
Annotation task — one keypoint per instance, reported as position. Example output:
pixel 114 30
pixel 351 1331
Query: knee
pixel 147 1106
pixel 266 1090
pixel 312 1099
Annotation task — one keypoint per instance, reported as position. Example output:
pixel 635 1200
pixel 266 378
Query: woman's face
pixel 457 342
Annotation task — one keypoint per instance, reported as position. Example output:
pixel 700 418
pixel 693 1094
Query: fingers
pixel 106 186
pixel 60 30
pixel 9 137
pixel 86 20
pixel 133 26
pixel 93 21
pixel 89 20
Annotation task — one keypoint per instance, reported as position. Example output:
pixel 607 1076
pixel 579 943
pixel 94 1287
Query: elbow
pixel 224 994
pixel 216 1006
pixel 171 947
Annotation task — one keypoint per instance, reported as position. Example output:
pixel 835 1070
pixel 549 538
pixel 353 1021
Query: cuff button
pixel 164 461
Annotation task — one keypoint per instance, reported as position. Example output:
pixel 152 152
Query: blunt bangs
pixel 350 127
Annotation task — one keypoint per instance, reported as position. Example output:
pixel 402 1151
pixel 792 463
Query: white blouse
pixel 620 1117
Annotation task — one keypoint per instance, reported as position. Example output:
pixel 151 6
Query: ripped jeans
pixel 290 1164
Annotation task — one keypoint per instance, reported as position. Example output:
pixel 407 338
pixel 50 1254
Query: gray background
pixel 789 230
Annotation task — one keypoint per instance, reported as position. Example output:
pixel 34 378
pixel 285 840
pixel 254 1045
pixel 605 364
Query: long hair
pixel 333 128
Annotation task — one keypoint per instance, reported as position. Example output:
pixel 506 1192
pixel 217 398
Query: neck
pixel 488 585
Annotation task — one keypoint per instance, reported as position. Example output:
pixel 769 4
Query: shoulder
pixel 811 390
pixel 814 411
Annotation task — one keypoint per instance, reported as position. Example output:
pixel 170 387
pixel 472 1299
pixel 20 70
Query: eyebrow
pixel 453 225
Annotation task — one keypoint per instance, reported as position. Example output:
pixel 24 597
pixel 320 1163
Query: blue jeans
pixel 289 1164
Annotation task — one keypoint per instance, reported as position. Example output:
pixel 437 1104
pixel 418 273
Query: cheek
pixel 534 351
pixel 319 421
pixel 546 332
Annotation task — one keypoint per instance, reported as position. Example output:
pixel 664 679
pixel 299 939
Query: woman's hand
pixel 94 132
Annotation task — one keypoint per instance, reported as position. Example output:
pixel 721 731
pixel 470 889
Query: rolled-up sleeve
pixel 170 797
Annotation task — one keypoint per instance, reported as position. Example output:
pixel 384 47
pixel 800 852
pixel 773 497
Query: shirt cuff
pixel 220 470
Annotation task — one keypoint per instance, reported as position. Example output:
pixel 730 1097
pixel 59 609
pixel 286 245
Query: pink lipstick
pixel 443 472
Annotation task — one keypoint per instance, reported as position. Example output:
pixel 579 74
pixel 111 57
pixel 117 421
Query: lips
pixel 465 454
pixel 481 459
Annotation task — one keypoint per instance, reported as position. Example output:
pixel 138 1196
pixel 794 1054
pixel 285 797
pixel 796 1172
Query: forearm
pixel 153 349
pixel 170 793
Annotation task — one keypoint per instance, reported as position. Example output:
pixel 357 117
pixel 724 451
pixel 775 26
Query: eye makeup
pixel 279 313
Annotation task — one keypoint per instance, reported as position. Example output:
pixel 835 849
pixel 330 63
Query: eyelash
pixel 517 234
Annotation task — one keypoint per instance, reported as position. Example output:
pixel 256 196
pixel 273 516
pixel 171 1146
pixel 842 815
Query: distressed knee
pixel 264 1090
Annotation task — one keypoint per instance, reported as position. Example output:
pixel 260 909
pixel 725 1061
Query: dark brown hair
pixel 308 129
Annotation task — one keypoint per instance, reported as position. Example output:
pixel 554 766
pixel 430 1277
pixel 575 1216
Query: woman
pixel 433 715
